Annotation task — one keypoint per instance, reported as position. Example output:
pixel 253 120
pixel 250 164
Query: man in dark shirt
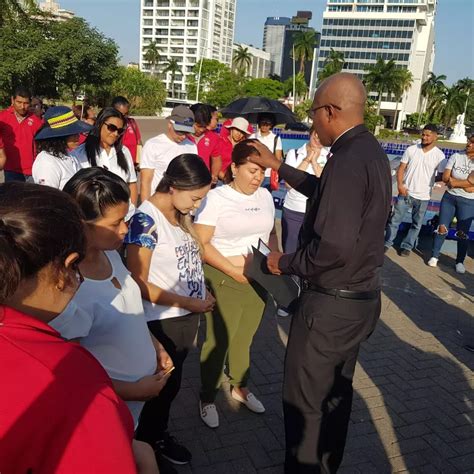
pixel 339 260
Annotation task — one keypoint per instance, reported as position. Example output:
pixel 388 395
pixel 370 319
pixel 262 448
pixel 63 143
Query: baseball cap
pixel 182 118
pixel 240 124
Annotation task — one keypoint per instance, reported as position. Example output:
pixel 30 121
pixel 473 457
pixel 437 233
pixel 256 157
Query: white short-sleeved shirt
pixel 176 264
pixel 460 166
pixel 109 162
pixel 158 152
pixel 269 142
pixel 240 220
pixel 295 201
pixel 421 169
pixel 53 171
pixel 111 325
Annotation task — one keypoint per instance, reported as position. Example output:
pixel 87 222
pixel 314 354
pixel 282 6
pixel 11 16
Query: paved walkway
pixel 414 398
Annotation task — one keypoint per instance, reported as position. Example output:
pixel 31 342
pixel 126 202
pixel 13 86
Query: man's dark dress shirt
pixel 342 237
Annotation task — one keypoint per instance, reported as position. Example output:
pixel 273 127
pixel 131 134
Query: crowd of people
pixel 113 252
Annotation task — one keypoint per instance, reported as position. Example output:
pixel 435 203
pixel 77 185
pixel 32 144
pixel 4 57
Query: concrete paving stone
pixel 464 464
pixel 408 462
pixel 229 453
pixel 271 470
pixel 243 466
pixel 239 438
pixel 463 447
pixel 440 446
pixel 268 440
pixel 463 432
pixel 259 457
pixel 414 430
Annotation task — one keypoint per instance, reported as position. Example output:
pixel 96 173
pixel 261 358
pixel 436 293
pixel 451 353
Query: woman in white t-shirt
pixel 54 165
pixel 107 313
pixel 458 201
pixel 311 157
pixel 164 257
pixel 103 147
pixel 230 221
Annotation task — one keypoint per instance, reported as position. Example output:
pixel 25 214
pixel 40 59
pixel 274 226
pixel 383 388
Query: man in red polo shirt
pixel 132 138
pixel 207 142
pixel 18 127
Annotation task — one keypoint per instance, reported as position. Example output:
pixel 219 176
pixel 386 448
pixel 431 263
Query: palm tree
pixel 403 83
pixel 12 9
pixel 451 104
pixel 304 43
pixel 242 59
pixel 380 78
pixel 333 64
pixel 466 85
pixel 152 56
pixel 432 91
pixel 172 67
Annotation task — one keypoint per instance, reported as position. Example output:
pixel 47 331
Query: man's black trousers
pixel 323 345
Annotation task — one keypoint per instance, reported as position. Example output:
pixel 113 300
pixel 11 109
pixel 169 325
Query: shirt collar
pixel 347 135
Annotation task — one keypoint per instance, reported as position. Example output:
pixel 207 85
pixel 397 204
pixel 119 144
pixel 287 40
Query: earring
pixel 233 175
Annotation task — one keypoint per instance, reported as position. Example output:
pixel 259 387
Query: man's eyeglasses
pixel 312 112
pixel 112 128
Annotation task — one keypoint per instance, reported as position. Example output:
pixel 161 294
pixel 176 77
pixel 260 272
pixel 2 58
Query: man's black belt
pixel 352 295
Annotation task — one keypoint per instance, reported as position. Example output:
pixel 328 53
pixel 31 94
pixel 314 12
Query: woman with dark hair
pixel 60 412
pixel 103 148
pixel 54 165
pixel 231 220
pixel 163 255
pixel 111 324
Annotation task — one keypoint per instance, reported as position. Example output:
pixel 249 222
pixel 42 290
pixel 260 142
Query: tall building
pixel 364 30
pixel 55 10
pixel 260 67
pixel 186 30
pixel 278 38
pixel 274 40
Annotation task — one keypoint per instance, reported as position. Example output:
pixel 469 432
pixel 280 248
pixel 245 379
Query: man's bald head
pixel 341 98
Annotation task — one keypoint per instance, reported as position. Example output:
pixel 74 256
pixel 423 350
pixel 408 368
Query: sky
pixel 119 20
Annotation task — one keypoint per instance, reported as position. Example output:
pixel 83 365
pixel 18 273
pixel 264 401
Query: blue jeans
pixel 463 209
pixel 14 176
pixel 291 222
pixel 418 210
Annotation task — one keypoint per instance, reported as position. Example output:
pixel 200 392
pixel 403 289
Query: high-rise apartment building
pixel 364 30
pixel 274 40
pixel 186 30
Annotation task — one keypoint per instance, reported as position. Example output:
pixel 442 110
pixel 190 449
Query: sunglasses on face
pixel 112 128
pixel 312 112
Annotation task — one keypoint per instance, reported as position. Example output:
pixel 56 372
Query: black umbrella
pixel 251 107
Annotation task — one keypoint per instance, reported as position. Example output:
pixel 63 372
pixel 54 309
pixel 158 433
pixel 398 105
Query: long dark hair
pixel 240 155
pixel 92 142
pixel 54 146
pixel 185 173
pixel 95 190
pixel 39 225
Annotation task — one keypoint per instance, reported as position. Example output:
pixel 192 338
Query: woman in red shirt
pixel 58 410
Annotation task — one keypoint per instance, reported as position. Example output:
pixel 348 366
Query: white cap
pixel 240 124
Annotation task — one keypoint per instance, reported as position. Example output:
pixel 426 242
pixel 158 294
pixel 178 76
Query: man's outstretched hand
pixel 266 159
pixel 273 260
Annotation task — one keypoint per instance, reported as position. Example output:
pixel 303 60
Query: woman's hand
pixel 197 305
pixel 150 386
pixel 238 275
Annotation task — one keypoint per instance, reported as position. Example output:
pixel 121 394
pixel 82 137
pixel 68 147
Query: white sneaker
pixel 282 313
pixel 460 268
pixel 209 414
pixel 433 262
pixel 251 402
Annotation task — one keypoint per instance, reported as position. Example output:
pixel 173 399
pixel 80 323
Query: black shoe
pixel 171 450
pixel 405 253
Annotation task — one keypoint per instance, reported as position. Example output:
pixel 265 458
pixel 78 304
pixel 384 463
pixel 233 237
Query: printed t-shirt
pixel 58 409
pixel 460 166
pixel 176 264
pixel 240 220
pixel 158 152
pixel 420 171
pixel 18 140
pixel 111 325
pixel 53 171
